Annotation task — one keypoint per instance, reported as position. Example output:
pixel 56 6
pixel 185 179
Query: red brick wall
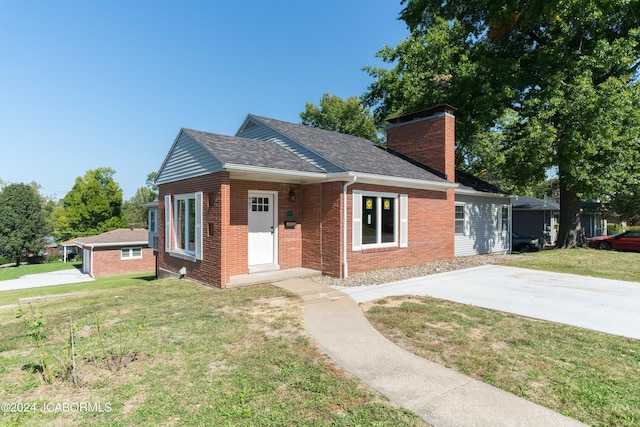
pixel 225 229
pixel 316 241
pixel 430 141
pixel 431 231
pixel 289 239
pixel 107 262
pixel 311 202
pixel 212 269
pixel 332 221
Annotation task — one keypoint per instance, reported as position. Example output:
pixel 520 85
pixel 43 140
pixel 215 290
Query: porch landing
pixel 270 277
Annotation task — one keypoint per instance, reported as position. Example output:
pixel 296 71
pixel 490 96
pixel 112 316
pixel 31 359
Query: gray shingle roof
pixel 533 204
pixel 349 153
pixel 470 182
pixel 250 152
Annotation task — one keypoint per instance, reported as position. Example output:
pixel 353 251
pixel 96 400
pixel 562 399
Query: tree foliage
pixel 539 84
pixel 22 222
pixel 134 213
pixel 348 116
pixel 92 206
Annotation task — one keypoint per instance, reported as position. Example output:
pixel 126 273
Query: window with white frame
pixel 379 220
pixel 505 218
pixel 130 253
pixel 153 220
pixel 459 219
pixel 183 228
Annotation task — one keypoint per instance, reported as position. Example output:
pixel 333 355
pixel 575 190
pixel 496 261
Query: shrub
pixel 614 229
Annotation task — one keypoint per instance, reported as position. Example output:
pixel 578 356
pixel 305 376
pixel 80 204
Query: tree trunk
pixel 570 234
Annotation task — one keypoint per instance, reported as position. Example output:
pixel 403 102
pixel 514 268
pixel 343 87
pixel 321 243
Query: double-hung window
pixel 183 228
pixel 379 220
pixel 459 219
pixel 505 218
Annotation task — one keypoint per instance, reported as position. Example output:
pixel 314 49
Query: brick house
pixel 279 195
pixel 120 251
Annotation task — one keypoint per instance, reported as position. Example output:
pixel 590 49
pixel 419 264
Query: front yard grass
pixel 587 375
pixel 171 352
pixel 587 262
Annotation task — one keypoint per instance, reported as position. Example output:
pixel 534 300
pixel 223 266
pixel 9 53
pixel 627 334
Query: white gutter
pixel 345 264
pixel 106 245
pixel 232 167
pixel 392 181
pixel 481 193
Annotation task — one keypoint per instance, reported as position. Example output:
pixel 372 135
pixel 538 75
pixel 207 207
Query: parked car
pixel 525 244
pixel 627 241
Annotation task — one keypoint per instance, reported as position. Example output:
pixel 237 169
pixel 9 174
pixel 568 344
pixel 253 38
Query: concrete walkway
pixel 61 277
pixel 440 396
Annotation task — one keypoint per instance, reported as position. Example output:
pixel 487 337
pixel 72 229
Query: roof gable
pixel 187 158
pixel 196 153
pixel 344 153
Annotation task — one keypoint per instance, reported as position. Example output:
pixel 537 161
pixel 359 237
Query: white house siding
pixel 483 232
pixel 187 159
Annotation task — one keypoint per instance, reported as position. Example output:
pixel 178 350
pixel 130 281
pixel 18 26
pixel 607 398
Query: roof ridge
pixel 283 144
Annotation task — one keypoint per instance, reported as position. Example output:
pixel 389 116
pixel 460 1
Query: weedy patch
pixel 174 352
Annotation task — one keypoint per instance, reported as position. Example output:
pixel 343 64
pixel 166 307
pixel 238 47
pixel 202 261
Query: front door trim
pixel 267 260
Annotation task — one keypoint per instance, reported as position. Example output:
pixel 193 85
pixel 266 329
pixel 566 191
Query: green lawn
pixel 172 352
pixel 587 375
pixel 587 262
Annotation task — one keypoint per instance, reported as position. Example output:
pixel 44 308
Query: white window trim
pixel 465 231
pixel 153 220
pixel 357 220
pixel 504 222
pixel 171 230
pixel 130 253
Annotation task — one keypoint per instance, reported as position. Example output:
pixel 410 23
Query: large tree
pixel 540 85
pixel 348 116
pixel 22 222
pixel 93 205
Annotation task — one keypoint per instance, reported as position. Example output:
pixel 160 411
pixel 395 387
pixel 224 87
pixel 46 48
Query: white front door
pixel 263 231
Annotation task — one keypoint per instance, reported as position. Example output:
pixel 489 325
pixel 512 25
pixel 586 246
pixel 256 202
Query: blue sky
pixel 88 84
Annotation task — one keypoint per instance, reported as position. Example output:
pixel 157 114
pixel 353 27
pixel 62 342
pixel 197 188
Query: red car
pixel 627 241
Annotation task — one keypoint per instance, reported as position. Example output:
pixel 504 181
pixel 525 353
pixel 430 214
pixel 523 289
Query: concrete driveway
pixel 61 277
pixel 610 306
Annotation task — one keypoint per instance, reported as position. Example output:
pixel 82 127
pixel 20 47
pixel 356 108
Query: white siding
pixel 187 159
pixel 483 226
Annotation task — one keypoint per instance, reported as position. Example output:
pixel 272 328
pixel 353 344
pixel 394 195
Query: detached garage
pixel 121 251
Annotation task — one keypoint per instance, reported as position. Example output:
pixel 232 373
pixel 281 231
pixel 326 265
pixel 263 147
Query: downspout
pixel 345 264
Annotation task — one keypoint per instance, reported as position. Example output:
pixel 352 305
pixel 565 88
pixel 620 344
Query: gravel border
pixel 378 277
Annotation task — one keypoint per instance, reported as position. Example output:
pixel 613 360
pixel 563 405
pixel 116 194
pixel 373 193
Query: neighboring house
pixel 280 196
pixel 535 217
pixel 152 221
pixel 120 251
pixel 482 217
pixel 593 219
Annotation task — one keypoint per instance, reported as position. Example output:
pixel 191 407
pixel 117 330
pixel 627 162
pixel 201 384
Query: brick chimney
pixel 427 136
